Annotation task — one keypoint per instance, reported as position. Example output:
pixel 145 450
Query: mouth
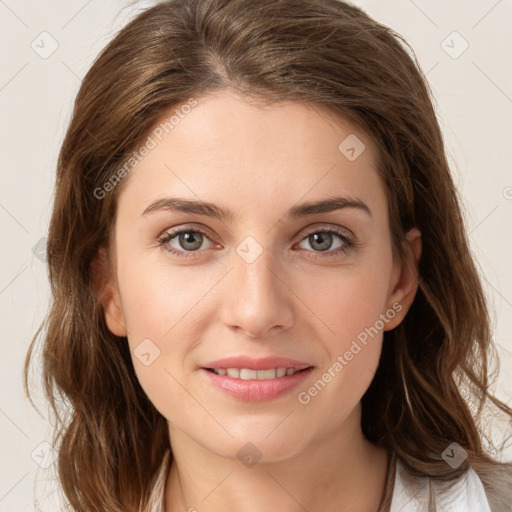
pixel 252 374
pixel 251 385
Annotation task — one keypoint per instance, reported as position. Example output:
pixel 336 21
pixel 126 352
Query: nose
pixel 258 300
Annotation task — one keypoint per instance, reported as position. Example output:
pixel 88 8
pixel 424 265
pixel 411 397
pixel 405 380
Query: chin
pixel 255 447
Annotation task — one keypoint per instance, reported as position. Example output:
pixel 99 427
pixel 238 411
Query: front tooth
pixel 247 374
pixel 233 372
pixel 267 374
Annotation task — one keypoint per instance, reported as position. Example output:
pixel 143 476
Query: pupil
pixel 187 238
pixel 326 238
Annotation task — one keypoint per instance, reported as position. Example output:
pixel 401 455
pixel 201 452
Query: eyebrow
pixel 217 212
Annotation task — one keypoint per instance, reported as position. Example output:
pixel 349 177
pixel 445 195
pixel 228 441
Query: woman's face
pixel 264 281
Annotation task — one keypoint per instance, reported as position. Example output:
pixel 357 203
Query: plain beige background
pixel 46 48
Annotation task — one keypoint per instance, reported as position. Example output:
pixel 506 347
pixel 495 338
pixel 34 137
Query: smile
pixel 250 385
pixel 249 374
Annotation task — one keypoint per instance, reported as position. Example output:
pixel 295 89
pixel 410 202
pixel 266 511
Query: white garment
pixel 410 494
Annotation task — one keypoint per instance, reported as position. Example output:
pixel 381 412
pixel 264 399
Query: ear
pixel 106 292
pixel 405 279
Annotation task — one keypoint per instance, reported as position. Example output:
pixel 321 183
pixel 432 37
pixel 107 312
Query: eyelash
pixel 349 243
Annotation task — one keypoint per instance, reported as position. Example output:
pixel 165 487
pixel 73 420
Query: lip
pixel 263 363
pixel 256 390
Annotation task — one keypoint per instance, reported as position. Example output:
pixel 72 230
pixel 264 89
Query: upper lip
pixel 264 363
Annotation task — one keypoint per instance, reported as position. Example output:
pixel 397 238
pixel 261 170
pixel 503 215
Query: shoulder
pixel 497 480
pixel 412 493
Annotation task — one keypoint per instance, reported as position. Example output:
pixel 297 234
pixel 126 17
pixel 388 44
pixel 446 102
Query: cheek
pixel 159 300
pixel 353 347
pixel 159 337
pixel 352 306
pixel 164 307
pixel 351 303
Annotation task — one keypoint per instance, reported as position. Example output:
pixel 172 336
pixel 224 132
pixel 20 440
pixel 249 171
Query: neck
pixel 340 472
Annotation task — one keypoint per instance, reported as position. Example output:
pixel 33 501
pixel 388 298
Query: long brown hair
pixel 434 376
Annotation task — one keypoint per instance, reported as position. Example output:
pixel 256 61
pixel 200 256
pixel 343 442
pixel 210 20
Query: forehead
pixel 226 149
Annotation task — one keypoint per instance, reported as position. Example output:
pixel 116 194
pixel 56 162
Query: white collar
pixel 411 493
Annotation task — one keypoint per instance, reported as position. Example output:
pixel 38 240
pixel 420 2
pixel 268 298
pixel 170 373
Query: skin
pixel 259 162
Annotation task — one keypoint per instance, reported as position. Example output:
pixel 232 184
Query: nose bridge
pixel 258 300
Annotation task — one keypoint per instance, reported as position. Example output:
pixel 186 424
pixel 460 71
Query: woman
pixel 324 342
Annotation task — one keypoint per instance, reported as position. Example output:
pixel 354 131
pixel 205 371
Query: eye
pixel 190 240
pixel 321 240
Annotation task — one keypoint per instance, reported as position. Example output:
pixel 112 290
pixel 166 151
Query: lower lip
pixel 256 390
